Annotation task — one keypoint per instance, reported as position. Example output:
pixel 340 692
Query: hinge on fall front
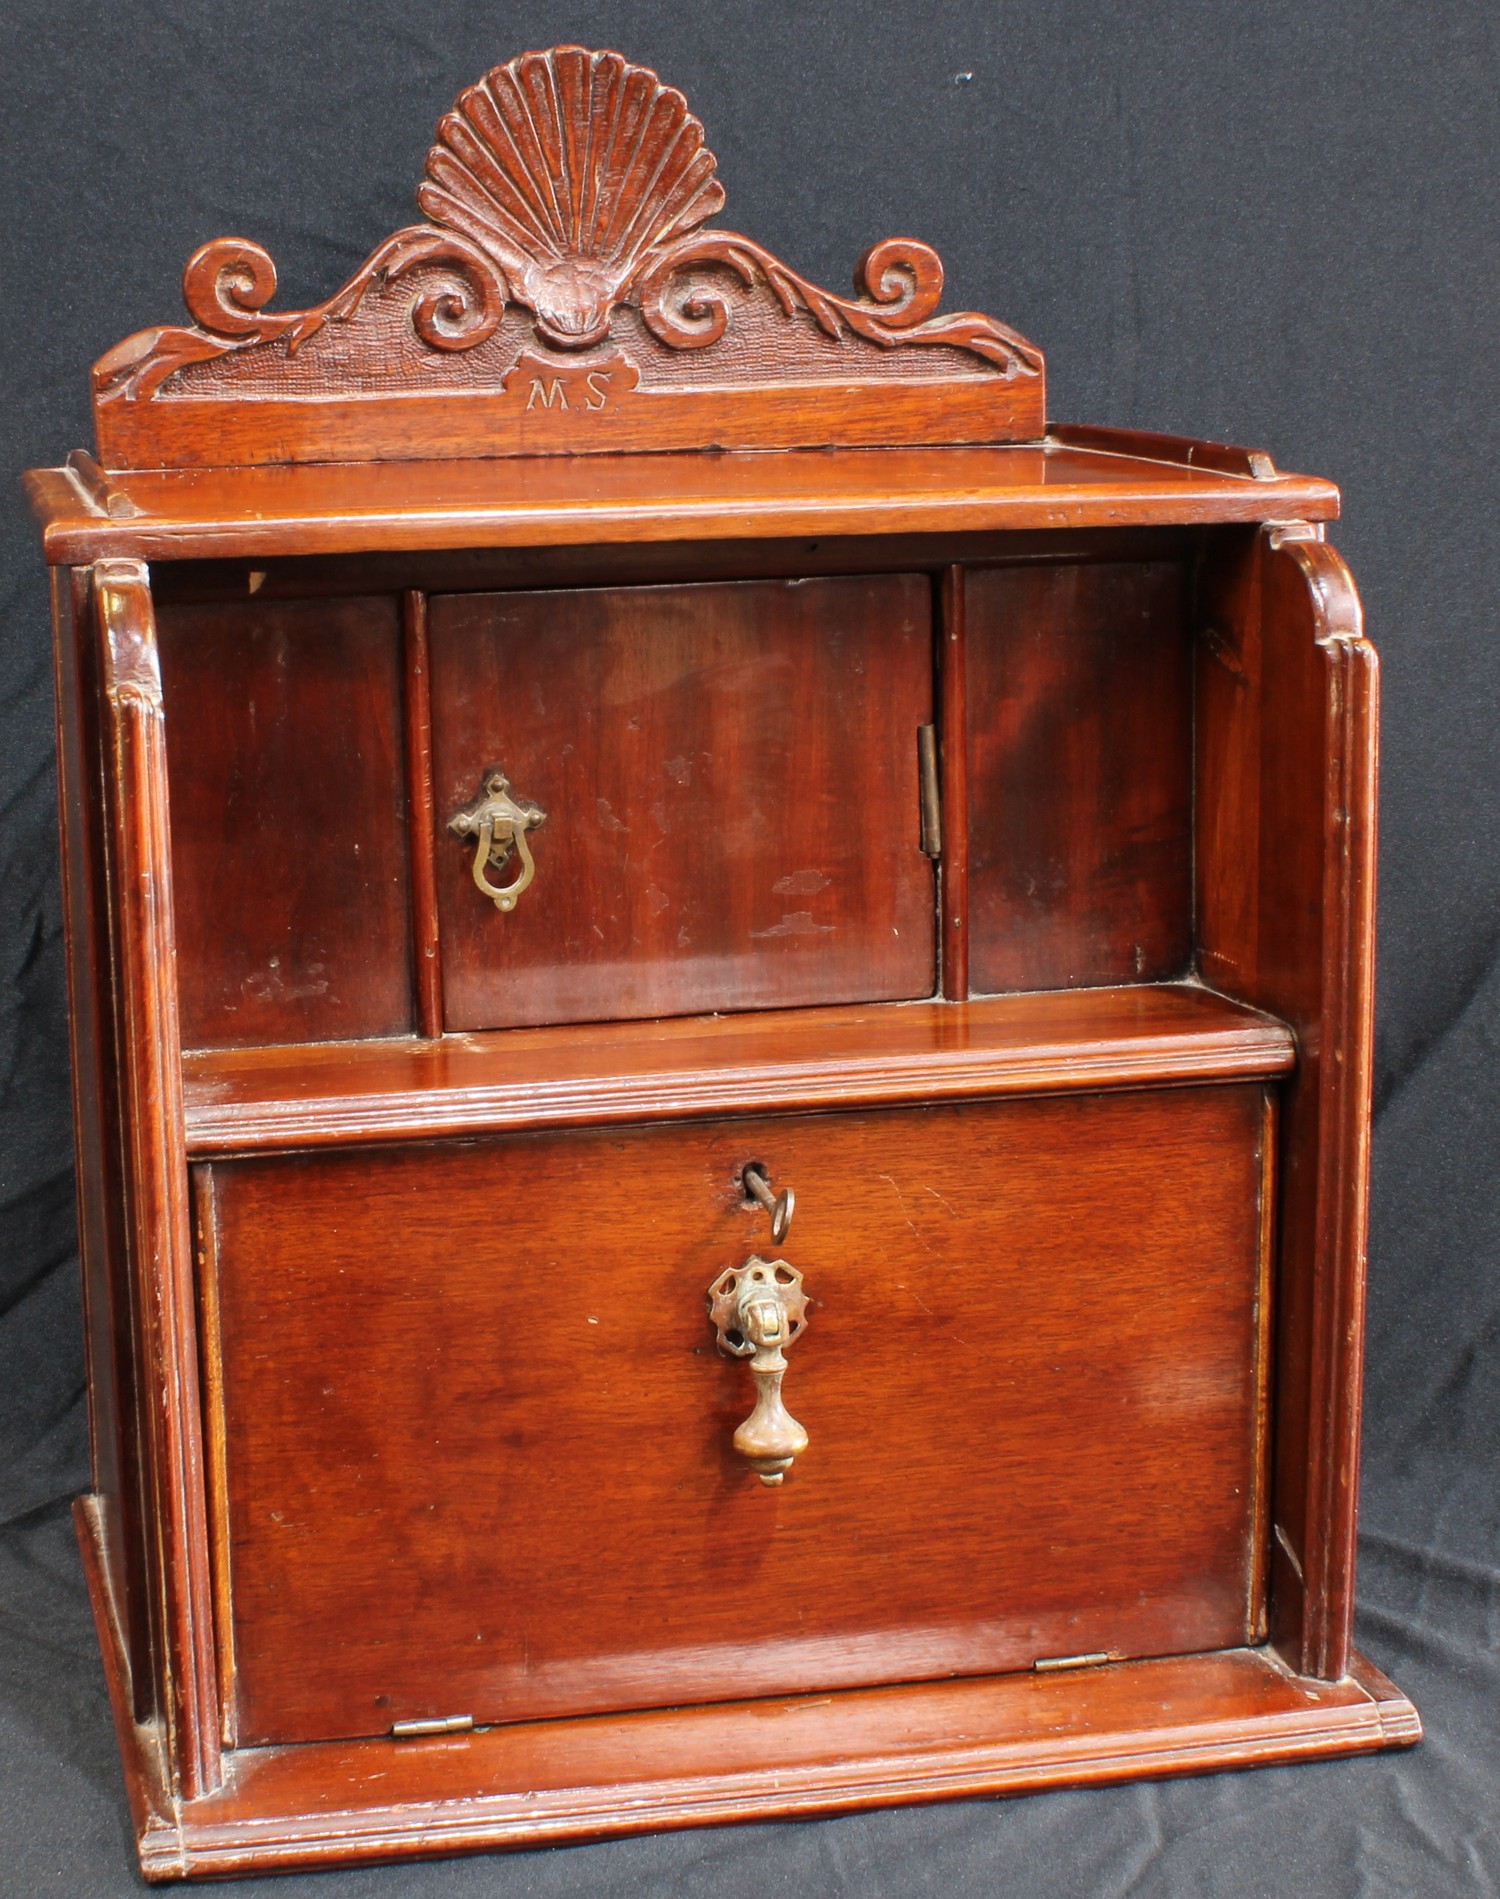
pixel 445 1724
pixel 1046 1663
pixel 931 796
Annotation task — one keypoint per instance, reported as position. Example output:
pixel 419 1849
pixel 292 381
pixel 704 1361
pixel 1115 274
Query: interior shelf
pixel 245 1100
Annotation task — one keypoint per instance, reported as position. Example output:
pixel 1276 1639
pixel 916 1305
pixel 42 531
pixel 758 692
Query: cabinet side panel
pixel 1080 776
pixel 284 743
pixel 1287 708
pixel 155 1163
pixel 114 1434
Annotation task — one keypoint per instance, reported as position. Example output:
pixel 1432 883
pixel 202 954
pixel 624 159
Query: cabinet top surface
pixel 584 500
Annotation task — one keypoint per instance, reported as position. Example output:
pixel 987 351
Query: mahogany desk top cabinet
pixel 721 1018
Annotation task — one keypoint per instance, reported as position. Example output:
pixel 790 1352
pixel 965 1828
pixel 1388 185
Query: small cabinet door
pixel 729 777
pixel 477 1438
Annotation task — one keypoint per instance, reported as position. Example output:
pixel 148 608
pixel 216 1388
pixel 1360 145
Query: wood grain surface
pixel 558 501
pixel 160 1285
pixel 626 563
pixel 485 1370
pixel 421 817
pixel 116 1424
pixel 412 425
pixel 241 1100
pixel 284 743
pixel 1079 775
pixel 536 1782
pixel 729 775
pixel 1288 711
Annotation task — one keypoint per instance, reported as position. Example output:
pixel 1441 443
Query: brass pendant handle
pixel 758 1310
pixel 499 823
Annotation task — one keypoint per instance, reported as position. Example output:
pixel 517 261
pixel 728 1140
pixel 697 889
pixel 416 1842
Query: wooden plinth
pixel 534 1783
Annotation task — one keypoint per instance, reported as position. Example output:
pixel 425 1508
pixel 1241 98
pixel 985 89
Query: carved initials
pixel 553 393
pixel 539 383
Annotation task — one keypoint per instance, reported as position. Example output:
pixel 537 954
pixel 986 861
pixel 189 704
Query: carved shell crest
pixel 570 168
pixel 569 182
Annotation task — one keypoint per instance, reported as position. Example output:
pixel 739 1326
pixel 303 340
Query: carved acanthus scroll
pixel 228 283
pixel 571 183
pixel 901 283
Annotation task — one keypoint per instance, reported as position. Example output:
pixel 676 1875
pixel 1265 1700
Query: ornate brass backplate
pixel 499 823
pixel 758 1310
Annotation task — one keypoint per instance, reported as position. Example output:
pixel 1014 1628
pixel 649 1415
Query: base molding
pixel 534 1783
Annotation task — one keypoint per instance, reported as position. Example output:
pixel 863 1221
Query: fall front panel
pixel 477 1438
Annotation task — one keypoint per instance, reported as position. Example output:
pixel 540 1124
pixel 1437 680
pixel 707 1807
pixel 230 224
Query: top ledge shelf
pixel 588 1074
pixel 1074 479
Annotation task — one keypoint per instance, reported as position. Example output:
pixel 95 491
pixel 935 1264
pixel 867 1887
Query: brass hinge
pixel 932 804
pixel 445 1724
pixel 1049 1662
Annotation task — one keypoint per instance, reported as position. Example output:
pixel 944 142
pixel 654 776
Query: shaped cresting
pixel 576 187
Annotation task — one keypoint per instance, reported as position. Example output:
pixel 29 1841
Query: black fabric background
pixel 1271 223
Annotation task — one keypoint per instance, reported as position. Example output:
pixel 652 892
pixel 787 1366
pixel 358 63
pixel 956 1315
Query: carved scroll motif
pixel 569 182
pixel 228 282
pixel 901 281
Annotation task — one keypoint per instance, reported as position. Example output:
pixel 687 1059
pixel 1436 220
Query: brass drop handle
pixel 780 1206
pixel 758 1310
pixel 499 823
